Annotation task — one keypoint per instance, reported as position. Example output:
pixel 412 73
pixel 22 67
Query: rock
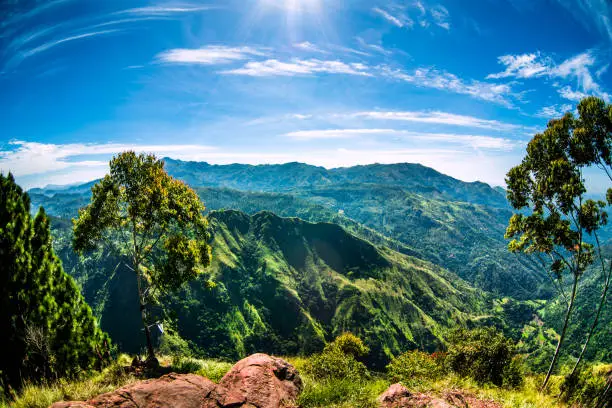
pixel 259 381
pixel 395 396
pixel 398 396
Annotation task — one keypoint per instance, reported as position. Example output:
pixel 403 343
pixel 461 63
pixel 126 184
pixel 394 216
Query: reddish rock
pixel 171 390
pixel 398 396
pixel 258 381
pixel 395 396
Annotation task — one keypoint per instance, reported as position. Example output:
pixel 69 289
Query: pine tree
pixel 49 329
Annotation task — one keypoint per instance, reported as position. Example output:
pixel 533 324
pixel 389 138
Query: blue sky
pixel 457 85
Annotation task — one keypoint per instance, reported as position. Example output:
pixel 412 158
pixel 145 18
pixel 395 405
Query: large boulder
pixel 171 390
pixel 258 381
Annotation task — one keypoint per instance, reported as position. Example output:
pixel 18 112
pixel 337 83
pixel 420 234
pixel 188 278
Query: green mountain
pixel 412 208
pixel 291 176
pixel 285 286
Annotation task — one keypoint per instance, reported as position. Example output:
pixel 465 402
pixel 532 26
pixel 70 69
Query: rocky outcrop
pixel 258 381
pixel 398 396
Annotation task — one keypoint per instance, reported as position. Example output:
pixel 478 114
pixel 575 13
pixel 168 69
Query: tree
pixel 154 220
pixel 47 328
pixel 550 183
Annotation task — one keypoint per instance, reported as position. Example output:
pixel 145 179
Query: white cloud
pixel 51 44
pixel 401 20
pixel 576 69
pixel 29 158
pixel 296 66
pixel 166 10
pixel 433 78
pixel 440 16
pixel 568 93
pixel 337 133
pixel 209 55
pixel 375 47
pixel 472 141
pixel 437 117
pixel 522 66
pixel 553 111
pixel 309 47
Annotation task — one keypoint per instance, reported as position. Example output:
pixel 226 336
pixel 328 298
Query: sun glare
pixel 293 6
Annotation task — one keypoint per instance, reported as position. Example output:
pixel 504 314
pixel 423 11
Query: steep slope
pixel 284 286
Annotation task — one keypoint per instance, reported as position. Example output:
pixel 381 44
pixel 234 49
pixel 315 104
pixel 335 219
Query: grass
pixel 109 379
pixel 317 393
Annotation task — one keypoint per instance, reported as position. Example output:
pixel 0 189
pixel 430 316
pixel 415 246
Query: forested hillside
pixel 285 286
pixel 454 224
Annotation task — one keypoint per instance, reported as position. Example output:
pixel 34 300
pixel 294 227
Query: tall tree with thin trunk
pixel 154 220
pixel 549 187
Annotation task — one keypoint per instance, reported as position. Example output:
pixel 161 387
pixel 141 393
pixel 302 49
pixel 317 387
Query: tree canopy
pixel 151 218
pixel 47 328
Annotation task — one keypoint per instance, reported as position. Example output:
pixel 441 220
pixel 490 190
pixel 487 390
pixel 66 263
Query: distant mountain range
pixel 406 217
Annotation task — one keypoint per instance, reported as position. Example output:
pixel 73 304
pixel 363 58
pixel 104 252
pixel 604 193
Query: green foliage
pixel 153 219
pixel 338 361
pixel 587 387
pixel 48 329
pixel 349 344
pixel 484 355
pixel 414 367
pixel 549 183
pixel 341 393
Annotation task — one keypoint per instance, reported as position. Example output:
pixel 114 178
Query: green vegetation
pixel 549 183
pixel 153 220
pixel 48 330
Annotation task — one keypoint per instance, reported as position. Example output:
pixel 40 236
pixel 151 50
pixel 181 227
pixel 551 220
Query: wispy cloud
pixel 440 16
pixel 442 80
pixel 51 44
pixel 592 14
pixel 296 66
pixel 374 47
pixel 165 10
pixel 553 111
pixel 337 133
pixel 28 158
pixel 437 117
pixel 425 14
pixel 472 141
pixel 400 20
pixel 210 55
pixel 577 69
pixel 309 47
pixel 522 66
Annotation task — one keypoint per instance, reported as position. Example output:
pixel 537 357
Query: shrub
pixel 413 366
pixel 485 355
pixel 174 345
pixel 338 360
pixel 586 387
pixel 350 344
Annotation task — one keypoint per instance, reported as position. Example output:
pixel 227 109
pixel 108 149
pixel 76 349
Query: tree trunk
pixel 143 315
pixel 563 331
pixel 602 303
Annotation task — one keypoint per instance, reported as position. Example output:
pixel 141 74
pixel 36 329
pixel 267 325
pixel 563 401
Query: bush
pixel 414 366
pixel 350 344
pixel 586 387
pixel 174 345
pixel 485 355
pixel 339 360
